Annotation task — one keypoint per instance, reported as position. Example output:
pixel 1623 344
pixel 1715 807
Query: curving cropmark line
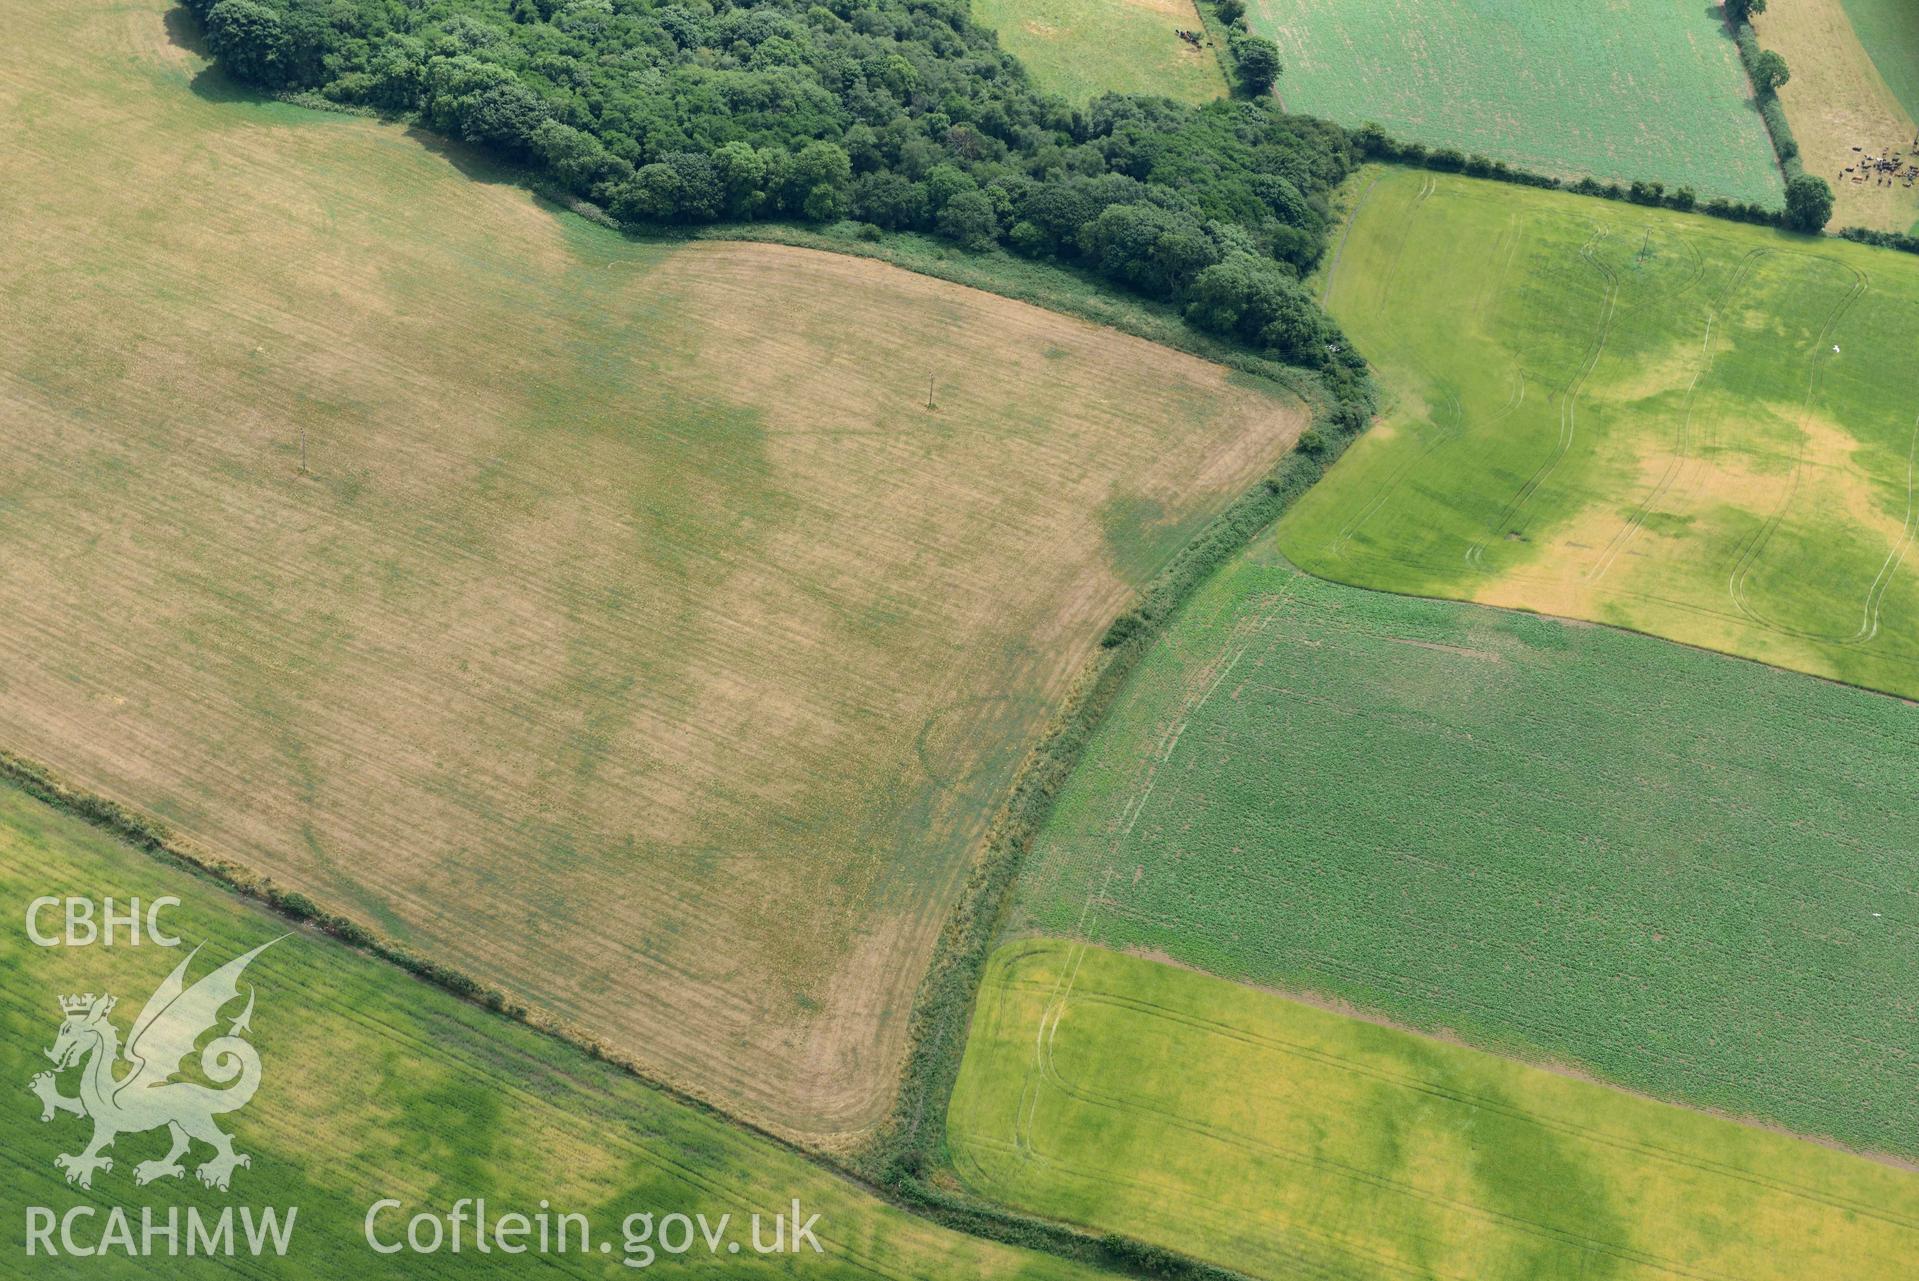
pixel 1479 1102
pixel 1411 216
pixel 1049 1024
pixel 1319 1162
pixel 1876 594
pixel 1509 519
pixel 1049 1069
pixel 1749 554
pixel 1682 437
pixel 1449 420
pixel 1345 234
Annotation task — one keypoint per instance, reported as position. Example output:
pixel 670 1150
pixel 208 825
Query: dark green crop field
pixel 1688 874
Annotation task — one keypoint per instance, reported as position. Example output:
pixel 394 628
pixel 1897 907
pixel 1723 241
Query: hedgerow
pixel 1770 109
pixel 1376 144
pixel 909 1156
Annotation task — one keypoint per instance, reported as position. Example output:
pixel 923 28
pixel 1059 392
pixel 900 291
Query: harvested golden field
pixel 1837 101
pixel 421 1098
pixel 636 639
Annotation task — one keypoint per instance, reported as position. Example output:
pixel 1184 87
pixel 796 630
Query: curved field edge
pixel 381 337
pixel 910 1150
pixel 374 1085
pixel 1113 1091
pixel 1678 871
pixel 1631 416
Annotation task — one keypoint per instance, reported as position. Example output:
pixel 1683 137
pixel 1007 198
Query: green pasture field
pixel 1695 876
pixel 1679 425
pixel 1080 49
pixel 1889 30
pixel 1613 90
pixel 1286 1141
pixel 374 1085
pixel 611 621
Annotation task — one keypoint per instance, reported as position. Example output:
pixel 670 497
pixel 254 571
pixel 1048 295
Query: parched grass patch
pixel 1690 428
pixel 636 638
pixel 1080 49
pixel 373 1086
pixel 1289 1141
pixel 1615 90
pixel 1691 875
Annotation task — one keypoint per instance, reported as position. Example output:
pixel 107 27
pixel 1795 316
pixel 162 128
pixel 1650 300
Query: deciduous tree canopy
pixel 901 113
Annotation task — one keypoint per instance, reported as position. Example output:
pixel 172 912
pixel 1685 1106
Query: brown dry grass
pixel 639 641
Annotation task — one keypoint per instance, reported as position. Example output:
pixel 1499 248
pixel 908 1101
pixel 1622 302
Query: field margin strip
pixel 909 1156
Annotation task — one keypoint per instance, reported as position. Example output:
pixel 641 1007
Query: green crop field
pixel 1080 49
pixel 1675 424
pixel 374 1085
pixel 613 621
pixel 1614 90
pixel 1689 874
pixel 1287 1141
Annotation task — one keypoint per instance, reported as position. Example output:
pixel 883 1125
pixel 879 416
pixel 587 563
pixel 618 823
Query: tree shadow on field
pixel 472 162
pixel 185 33
pixel 212 84
pixel 209 82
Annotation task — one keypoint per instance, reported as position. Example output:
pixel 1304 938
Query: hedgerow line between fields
pixel 1520 576
pixel 154 840
pixel 892 1165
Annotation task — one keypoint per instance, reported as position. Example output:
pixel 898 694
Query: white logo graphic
pixel 145 1098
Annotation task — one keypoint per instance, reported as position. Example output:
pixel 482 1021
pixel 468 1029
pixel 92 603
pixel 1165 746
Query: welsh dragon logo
pixel 133 1091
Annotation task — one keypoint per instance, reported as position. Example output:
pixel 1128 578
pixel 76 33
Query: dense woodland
pixel 902 114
